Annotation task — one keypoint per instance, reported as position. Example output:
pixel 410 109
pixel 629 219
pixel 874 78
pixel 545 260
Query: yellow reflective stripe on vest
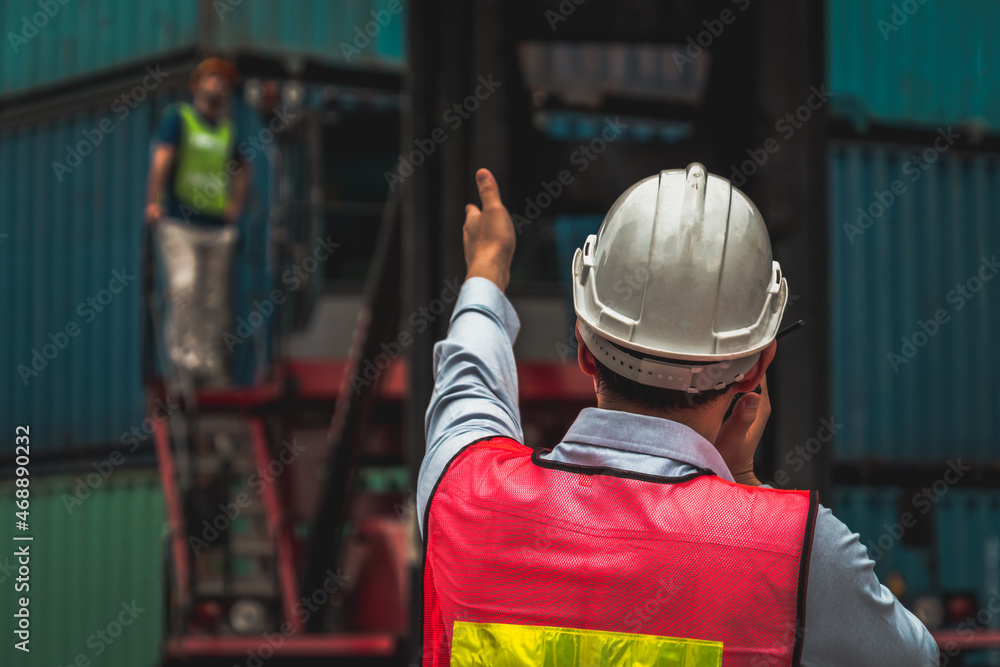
pixel 502 645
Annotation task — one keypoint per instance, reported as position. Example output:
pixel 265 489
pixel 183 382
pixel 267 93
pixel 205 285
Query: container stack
pixel 914 170
pixel 83 87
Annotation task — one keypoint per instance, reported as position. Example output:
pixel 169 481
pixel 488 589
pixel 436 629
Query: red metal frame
pixel 306 645
pixel 279 529
pixel 321 381
pixel 245 397
pixel 538 380
pixel 175 515
pixel 984 639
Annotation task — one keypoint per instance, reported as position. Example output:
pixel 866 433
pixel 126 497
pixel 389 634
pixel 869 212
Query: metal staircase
pixel 231 542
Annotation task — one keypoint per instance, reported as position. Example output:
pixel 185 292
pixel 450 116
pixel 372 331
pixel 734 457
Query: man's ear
pixel 756 374
pixel 583 354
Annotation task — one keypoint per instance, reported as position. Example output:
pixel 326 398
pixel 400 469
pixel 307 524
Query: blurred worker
pixel 196 191
pixel 647 518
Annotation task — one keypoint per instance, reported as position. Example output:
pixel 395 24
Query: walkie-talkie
pixel 798 324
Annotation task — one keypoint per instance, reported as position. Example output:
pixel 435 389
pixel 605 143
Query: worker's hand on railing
pixel 153 213
pixel 488 235
pixel 740 434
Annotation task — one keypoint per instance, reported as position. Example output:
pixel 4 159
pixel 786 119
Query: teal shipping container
pixel 70 250
pixel 916 63
pixel 963 555
pixel 51 42
pixel 95 580
pixel 915 308
pixel 871 512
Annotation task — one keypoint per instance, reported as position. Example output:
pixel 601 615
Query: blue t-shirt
pixel 169 132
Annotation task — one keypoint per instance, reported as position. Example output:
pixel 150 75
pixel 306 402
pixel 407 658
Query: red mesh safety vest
pixel 516 540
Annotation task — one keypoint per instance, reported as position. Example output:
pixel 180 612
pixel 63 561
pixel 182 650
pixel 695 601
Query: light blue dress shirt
pixel 851 619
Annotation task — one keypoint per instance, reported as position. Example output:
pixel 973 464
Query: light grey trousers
pixel 198 264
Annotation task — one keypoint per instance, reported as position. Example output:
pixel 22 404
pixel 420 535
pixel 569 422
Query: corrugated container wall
pixel 74 39
pixel 356 34
pixel 66 238
pixel 915 63
pixel 94 562
pixel 89 37
pixel 914 304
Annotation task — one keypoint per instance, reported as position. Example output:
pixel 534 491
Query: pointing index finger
pixel 489 193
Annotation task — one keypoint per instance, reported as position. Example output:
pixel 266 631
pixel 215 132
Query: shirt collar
pixel 643 434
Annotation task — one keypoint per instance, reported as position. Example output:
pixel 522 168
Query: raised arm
pixel 475 378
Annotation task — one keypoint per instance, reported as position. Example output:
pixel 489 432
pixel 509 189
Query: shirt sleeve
pixel 169 131
pixel 852 619
pixel 475 381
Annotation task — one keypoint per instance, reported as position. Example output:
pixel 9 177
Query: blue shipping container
pixel 68 240
pixel 914 63
pixel 914 307
pixel 65 40
pixel 963 558
pixel 871 512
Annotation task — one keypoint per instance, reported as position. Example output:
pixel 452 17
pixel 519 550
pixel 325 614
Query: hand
pixel 488 235
pixel 153 213
pixel 740 434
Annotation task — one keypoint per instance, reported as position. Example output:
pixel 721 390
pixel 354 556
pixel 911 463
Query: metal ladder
pixel 231 546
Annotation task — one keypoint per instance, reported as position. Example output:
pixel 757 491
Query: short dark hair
pixel 619 388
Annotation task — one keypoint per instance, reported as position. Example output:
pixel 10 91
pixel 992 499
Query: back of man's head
pixel 618 390
pixel 677 294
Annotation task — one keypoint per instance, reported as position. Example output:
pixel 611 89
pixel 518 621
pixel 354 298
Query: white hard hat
pixel 681 271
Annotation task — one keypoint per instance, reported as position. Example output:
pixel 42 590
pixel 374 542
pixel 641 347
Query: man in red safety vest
pixel 643 537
